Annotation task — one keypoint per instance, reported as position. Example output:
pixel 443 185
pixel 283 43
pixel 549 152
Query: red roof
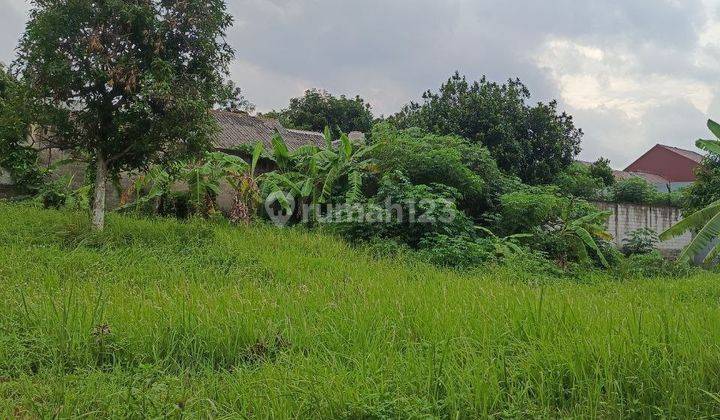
pixel 697 157
pixel 671 163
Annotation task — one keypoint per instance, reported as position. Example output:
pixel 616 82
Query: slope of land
pixel 163 318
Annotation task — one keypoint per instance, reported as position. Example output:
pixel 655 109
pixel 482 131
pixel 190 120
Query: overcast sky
pixel 632 72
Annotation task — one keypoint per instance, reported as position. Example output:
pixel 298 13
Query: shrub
pixel 388 214
pixel 530 207
pixel 456 252
pixel 706 188
pixel 673 199
pixel 640 241
pixel 432 159
pixel 601 170
pixel 652 264
pixel 578 181
pixel 635 190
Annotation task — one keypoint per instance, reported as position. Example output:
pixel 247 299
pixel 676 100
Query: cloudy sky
pixel 632 72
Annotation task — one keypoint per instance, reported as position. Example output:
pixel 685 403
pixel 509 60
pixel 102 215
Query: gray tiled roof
pixel 238 129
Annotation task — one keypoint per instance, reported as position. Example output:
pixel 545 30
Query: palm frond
pixel 714 127
pixel 345 147
pixel 711 146
pixel 257 152
pixel 281 153
pixel 329 183
pixel 713 254
pixel 588 240
pixel 328 137
pixel 707 234
pixel 694 221
pixel 354 193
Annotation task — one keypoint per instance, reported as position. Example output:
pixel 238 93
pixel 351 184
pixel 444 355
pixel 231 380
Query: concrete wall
pixel 630 217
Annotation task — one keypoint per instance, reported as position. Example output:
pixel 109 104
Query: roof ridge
pixel 295 130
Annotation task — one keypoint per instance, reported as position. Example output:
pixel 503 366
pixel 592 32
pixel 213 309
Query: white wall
pixel 629 217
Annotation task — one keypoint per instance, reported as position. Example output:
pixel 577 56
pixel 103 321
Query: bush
pixel 530 207
pixel 448 160
pixel 456 252
pixel 403 212
pixel 578 181
pixel 652 264
pixel 635 190
pixel 673 199
pixel 601 170
pixel 640 241
pixel 706 188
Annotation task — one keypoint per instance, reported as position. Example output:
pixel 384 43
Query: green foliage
pixel 318 109
pixel 448 160
pixel 652 265
pixel 456 251
pixel 567 230
pixel 706 188
pixel 705 221
pixel 635 190
pixel 60 193
pixel 403 212
pixel 601 169
pixel 534 143
pixel 578 180
pixel 640 241
pixel 528 208
pixel 127 84
pixel 464 252
pixel 17 156
pixel 315 176
pixel 160 318
pixel 155 190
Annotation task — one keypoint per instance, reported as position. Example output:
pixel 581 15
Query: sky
pixel 633 73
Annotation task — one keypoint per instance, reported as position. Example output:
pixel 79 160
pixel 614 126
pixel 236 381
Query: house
pixel 237 129
pixel 667 167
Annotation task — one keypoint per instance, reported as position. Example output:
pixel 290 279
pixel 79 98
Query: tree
pixel 433 159
pixel 601 169
pixel 706 188
pixel 706 220
pixel 126 83
pixel 18 157
pixel 534 143
pixel 315 176
pixel 318 109
pixel 577 180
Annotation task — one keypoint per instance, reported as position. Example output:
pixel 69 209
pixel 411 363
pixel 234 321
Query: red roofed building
pixel 671 163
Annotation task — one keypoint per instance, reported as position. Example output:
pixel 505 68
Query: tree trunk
pixel 98 209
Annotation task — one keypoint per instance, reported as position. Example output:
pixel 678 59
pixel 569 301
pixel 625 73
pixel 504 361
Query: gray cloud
pixel 633 72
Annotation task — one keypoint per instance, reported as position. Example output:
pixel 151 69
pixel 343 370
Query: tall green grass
pixel 162 318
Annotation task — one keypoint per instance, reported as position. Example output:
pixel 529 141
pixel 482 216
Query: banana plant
pixel 204 177
pixel 346 161
pixel 505 246
pixel 310 173
pixel 581 233
pixel 705 221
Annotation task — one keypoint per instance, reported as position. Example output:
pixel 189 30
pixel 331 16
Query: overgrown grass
pixel 162 318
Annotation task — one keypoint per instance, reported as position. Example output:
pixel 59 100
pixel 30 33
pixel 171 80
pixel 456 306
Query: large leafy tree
pixel 17 155
pixel 318 109
pixel 534 142
pixel 706 220
pixel 126 83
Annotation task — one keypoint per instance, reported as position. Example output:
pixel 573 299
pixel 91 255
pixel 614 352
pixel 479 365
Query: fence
pixel 627 218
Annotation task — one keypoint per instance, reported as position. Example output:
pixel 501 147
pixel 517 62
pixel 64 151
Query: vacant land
pixel 163 318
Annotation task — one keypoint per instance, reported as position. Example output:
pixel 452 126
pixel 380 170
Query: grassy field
pixel 161 318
